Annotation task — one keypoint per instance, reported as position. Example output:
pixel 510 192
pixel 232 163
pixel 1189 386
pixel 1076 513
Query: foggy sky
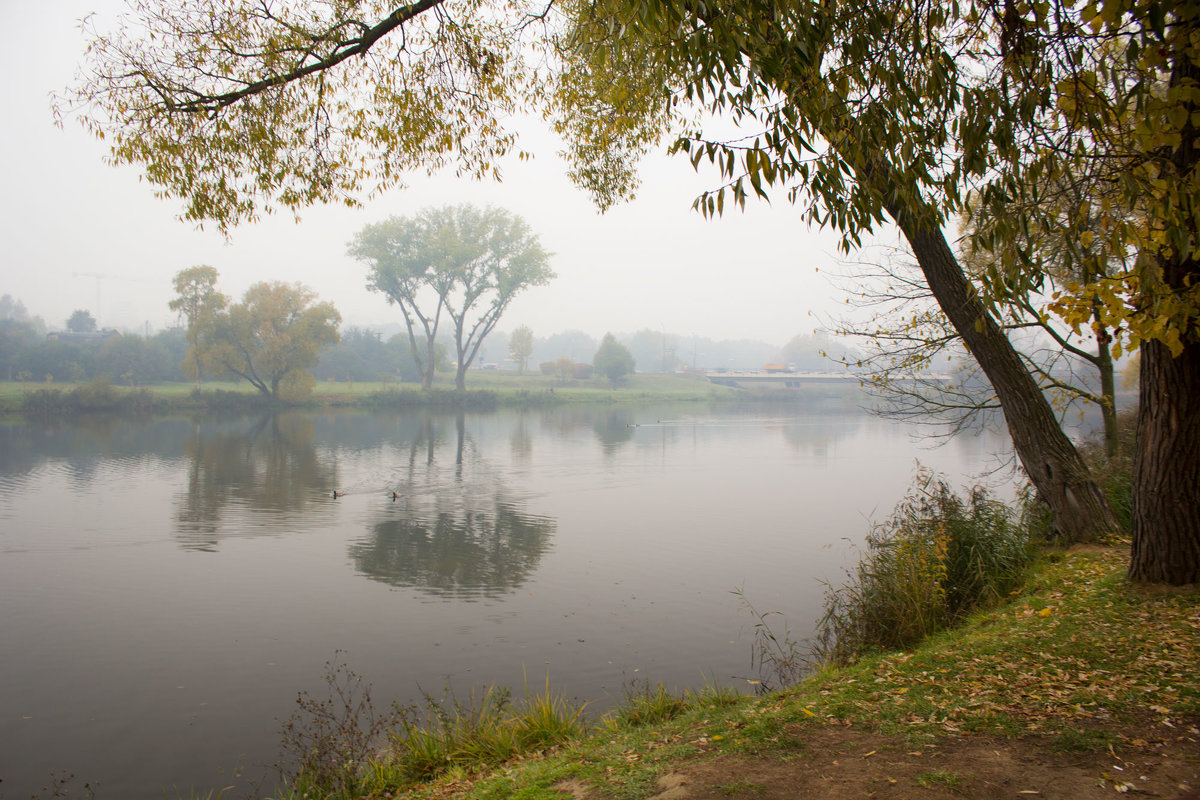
pixel 653 263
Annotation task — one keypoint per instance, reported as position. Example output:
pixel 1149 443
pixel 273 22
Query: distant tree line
pixel 368 355
pixel 364 355
pixel 29 351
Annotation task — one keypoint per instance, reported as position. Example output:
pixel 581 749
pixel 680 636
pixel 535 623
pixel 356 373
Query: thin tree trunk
pixel 1081 514
pixel 428 369
pixel 1108 393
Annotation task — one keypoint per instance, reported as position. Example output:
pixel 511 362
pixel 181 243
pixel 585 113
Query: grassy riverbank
pixel 1076 686
pixel 485 390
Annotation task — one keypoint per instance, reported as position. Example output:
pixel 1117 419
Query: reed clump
pixel 648 705
pixel 342 746
pixel 486 729
pixel 937 558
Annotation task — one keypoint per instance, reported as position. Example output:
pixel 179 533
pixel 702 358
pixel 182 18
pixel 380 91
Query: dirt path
pixel 841 763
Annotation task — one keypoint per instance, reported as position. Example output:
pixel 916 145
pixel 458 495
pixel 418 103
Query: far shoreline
pixel 485 391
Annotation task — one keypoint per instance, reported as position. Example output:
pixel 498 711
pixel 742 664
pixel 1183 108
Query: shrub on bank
pixel 937 558
pixel 96 396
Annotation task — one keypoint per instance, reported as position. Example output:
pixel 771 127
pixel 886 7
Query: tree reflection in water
pixel 269 465
pixel 462 553
pixel 453 531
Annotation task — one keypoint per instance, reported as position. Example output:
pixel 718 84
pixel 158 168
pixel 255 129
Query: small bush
pixel 715 697
pixel 44 402
pixel 329 742
pixel 936 559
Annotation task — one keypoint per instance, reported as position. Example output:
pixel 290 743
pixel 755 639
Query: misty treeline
pixel 383 354
pixel 659 351
pixel 30 351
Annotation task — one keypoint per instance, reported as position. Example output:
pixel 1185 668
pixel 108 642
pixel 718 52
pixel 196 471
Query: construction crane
pixel 100 277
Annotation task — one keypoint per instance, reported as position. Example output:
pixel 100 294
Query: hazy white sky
pixel 653 263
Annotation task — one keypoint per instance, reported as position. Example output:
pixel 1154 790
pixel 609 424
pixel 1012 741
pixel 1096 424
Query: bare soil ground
pixel 842 763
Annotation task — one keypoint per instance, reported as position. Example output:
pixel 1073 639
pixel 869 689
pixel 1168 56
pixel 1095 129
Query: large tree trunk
pixel 1081 514
pixel 1166 462
pixel 1166 468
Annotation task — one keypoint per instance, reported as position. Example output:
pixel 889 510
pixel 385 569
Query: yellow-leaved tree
pixel 271 338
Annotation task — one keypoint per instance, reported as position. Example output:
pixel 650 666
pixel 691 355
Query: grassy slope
pixel 1079 657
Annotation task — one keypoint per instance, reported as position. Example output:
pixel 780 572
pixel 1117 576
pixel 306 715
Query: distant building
pixel 83 337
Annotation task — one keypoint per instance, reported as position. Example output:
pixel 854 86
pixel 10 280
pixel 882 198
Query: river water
pixel 169 585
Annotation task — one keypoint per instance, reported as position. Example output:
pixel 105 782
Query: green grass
pixel 1078 639
pixel 948 779
pixel 1080 740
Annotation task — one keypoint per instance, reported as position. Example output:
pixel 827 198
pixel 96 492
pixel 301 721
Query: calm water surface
pixel 168 586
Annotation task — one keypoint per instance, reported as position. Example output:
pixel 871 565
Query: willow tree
pixel 271 338
pixel 241 108
pixel 520 346
pixel 858 112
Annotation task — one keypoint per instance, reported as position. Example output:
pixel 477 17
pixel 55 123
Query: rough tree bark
pixel 1166 468
pixel 1166 461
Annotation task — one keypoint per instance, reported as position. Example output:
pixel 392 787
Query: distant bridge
pixel 795 380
